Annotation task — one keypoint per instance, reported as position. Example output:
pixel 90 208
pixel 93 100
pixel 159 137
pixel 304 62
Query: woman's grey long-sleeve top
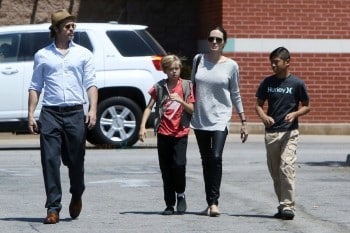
pixel 216 91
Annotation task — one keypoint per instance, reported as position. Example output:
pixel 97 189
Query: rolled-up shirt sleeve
pixel 89 78
pixel 37 82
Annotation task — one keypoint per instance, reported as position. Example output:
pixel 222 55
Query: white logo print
pixel 171 108
pixel 285 90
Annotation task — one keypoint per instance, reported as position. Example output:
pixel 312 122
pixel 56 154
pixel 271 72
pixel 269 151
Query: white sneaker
pixel 214 211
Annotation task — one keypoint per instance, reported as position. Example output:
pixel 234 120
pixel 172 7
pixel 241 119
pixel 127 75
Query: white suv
pixel 127 61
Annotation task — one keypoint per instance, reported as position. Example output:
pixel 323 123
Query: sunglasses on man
pixel 70 25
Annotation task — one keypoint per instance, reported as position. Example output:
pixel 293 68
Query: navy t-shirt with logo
pixel 283 96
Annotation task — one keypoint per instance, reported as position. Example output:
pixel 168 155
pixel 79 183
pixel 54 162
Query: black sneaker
pixel 288 214
pixel 278 214
pixel 168 210
pixel 181 204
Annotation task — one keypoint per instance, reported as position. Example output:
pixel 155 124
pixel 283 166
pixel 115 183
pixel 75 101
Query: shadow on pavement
pixel 11 148
pixel 159 213
pixel 197 213
pixel 142 212
pixel 19 148
pixel 108 147
pixel 251 215
pixel 327 163
pixel 19 219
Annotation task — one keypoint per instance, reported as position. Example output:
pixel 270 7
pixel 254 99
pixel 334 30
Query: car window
pixel 153 43
pixel 31 43
pixel 131 43
pixel 9 47
pixel 82 39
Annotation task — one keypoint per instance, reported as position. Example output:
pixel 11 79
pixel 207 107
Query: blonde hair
pixel 168 60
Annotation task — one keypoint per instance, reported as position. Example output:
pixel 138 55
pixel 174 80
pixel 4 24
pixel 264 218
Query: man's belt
pixel 64 108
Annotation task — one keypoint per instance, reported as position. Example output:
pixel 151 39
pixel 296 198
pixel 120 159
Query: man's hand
pixel 91 119
pixel 33 126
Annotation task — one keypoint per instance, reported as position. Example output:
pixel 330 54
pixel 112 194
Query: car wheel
pixel 117 124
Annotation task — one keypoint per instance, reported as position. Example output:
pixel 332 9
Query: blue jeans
pixel 211 145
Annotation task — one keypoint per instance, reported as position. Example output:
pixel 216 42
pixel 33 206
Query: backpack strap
pixel 186 88
pixel 161 97
pixel 198 60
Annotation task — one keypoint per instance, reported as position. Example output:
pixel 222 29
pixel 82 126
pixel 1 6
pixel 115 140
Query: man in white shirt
pixel 65 71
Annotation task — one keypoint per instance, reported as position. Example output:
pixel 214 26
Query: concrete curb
pixel 304 128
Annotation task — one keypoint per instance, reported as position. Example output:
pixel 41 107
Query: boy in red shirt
pixel 174 105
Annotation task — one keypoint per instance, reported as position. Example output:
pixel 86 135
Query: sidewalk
pixel 13 139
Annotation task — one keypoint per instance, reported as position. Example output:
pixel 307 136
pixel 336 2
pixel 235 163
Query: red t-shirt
pixel 170 122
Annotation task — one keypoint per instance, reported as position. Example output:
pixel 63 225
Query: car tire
pixel 117 124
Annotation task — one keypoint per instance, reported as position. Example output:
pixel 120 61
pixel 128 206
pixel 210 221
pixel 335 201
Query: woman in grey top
pixel 216 81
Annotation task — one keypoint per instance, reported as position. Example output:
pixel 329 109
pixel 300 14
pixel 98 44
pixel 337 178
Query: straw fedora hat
pixel 59 16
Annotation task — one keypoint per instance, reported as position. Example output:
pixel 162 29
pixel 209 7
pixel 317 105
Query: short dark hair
pixel 52 33
pixel 280 52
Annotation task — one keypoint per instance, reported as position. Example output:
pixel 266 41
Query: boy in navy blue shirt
pixel 284 92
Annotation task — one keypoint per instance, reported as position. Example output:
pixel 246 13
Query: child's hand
pixel 290 117
pixel 175 97
pixel 268 121
pixel 142 134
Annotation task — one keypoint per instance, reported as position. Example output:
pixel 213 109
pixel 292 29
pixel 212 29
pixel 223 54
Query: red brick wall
pixel 287 19
pixel 327 75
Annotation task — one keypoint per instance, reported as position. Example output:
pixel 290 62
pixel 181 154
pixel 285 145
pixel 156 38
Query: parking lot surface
pixel 124 189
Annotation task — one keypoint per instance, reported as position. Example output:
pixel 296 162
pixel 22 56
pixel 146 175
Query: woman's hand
pixel 244 133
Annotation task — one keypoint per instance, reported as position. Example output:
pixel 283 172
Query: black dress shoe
pixel 51 218
pixel 75 207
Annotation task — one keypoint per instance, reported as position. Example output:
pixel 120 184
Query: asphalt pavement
pixel 124 189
